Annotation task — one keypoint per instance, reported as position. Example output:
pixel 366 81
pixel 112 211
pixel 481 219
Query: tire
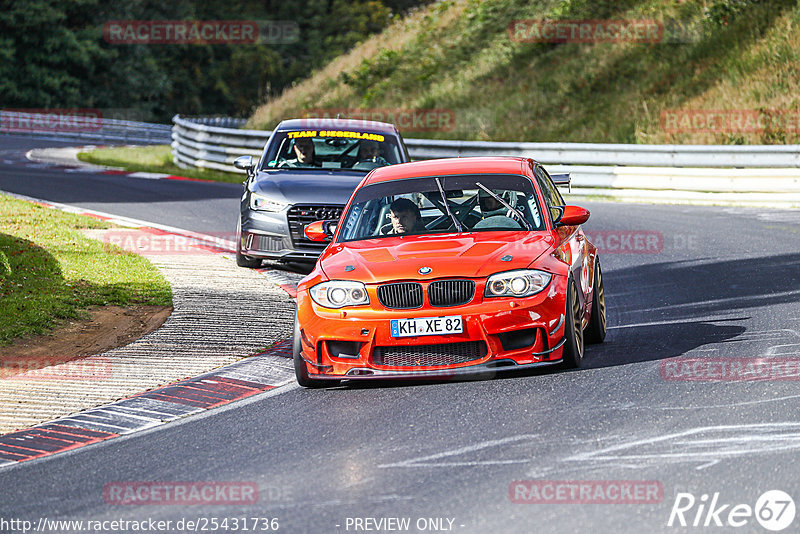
pixel 596 329
pixel 572 353
pixel 241 259
pixel 300 367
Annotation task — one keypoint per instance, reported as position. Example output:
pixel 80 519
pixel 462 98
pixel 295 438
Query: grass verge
pixel 50 272
pixel 500 85
pixel 156 158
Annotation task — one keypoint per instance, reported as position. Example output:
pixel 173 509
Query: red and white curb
pixel 156 407
pixel 65 159
pixel 257 374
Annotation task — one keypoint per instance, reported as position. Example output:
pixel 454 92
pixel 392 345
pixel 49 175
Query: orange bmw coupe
pixel 449 267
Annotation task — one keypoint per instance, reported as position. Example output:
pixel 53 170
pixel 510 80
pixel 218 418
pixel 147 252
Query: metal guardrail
pixel 743 156
pixel 204 143
pixel 223 140
pixel 83 126
pixel 703 168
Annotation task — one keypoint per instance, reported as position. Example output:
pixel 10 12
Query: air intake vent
pixel 443 293
pixel 401 296
pixel 429 355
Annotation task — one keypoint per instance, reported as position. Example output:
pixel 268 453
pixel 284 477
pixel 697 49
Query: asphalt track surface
pixel 723 286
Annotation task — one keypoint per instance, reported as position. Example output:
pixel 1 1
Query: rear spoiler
pixel 562 179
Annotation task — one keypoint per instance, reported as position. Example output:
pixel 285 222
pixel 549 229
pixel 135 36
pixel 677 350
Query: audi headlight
pixel 339 293
pixel 521 283
pixel 262 203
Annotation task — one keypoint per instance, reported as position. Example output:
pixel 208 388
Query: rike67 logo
pixel 774 510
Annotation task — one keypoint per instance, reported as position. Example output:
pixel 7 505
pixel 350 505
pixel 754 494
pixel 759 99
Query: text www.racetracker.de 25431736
pixel 184 524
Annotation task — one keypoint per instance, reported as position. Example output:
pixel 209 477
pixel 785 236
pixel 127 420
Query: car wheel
pixel 573 333
pixel 241 259
pixel 596 330
pixel 300 368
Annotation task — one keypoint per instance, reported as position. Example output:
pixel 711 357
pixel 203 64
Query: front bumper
pixel 484 370
pixel 510 334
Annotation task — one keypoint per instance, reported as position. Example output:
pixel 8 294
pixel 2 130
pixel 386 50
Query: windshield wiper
pixel 505 204
pixel 447 207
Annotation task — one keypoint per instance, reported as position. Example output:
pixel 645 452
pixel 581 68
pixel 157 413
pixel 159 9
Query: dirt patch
pixel 108 328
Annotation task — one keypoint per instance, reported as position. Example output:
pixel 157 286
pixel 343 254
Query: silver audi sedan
pixel 306 173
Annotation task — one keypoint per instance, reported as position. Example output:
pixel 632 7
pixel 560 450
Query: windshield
pixel 417 206
pixel 330 149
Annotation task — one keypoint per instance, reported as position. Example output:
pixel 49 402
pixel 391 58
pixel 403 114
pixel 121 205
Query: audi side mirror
pixel 244 163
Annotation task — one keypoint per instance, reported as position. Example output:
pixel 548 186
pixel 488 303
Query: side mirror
pixel 572 216
pixel 320 230
pixel 245 163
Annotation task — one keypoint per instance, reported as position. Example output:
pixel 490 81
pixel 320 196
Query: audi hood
pixel 307 187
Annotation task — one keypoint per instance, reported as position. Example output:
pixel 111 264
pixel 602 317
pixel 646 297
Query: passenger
pixel 369 154
pixel 369 151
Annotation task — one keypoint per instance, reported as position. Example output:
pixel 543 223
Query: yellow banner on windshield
pixel 337 133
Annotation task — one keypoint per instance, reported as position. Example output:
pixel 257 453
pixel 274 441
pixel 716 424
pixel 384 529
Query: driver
pixel 405 217
pixel 369 151
pixel 304 154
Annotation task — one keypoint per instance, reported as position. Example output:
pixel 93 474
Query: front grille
pixel 443 293
pixel 401 296
pixel 429 355
pixel 303 214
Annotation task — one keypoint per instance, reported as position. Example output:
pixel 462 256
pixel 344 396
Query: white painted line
pixel 676 321
pixel 727 300
pixel 148 175
pixel 423 461
pixel 88 425
pixel 761 438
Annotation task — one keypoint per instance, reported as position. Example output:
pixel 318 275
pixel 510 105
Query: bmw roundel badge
pixel 425 270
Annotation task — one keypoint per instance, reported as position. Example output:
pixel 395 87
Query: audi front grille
pixel 301 215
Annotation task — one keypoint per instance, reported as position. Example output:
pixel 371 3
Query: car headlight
pixel 339 293
pixel 262 203
pixel 521 283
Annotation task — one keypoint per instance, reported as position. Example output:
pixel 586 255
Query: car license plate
pixel 427 326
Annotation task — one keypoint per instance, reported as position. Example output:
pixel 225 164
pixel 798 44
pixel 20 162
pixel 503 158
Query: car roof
pixel 450 166
pixel 312 123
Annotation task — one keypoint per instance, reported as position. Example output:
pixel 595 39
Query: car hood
pixel 308 187
pixel 472 255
